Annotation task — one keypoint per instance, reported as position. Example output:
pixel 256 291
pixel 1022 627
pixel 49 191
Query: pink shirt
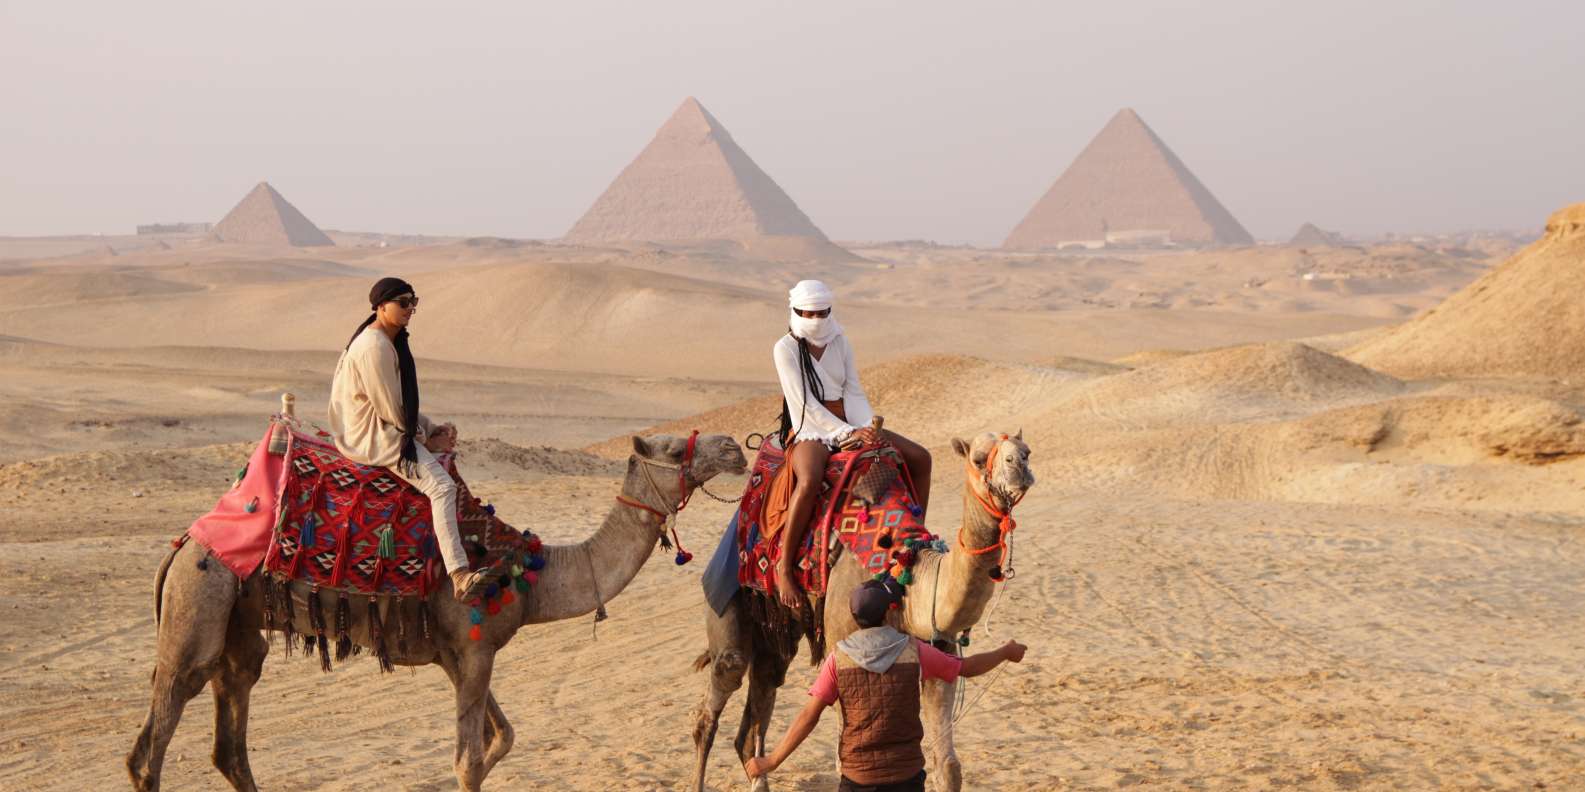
pixel 933 664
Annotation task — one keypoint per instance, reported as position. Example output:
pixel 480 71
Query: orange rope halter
pixel 1004 518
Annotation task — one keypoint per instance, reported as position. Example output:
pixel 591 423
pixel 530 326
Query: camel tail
pixel 159 577
pixel 703 661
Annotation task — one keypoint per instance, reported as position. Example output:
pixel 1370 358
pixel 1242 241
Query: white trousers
pixel 432 479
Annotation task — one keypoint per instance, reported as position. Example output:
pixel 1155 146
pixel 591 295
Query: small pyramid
pixel 1311 235
pixel 693 182
pixel 263 217
pixel 1127 186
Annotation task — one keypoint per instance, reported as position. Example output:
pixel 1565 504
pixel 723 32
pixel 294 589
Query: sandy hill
pixel 694 182
pixel 930 398
pixel 263 217
pixel 1127 187
pixel 1262 380
pixel 1525 318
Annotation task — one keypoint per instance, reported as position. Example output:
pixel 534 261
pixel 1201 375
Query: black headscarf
pixel 385 290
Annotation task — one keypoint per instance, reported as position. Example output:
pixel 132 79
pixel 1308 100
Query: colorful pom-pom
pixel 683 557
pixel 534 545
pixel 493 607
pixel 475 633
pixel 531 578
pixel 490 590
pixel 489 509
pixel 536 563
pixel 506 597
pixel 475 616
pixel 915 510
pixel 521 585
pixel 879 576
pixel 906 578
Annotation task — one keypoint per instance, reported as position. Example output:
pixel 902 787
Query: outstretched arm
pixel 800 729
pixel 977 664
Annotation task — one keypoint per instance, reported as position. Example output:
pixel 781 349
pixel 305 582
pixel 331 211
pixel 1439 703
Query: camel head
pixel 1009 477
pixel 712 455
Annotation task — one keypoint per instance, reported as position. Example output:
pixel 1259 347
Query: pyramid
pixel 1311 235
pixel 1526 318
pixel 1125 187
pixel 693 182
pixel 263 217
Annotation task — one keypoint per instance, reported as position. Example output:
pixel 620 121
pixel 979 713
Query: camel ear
pixel 961 447
pixel 641 447
pixel 1020 436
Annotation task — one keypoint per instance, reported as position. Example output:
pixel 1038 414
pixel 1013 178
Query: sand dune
pixel 1526 318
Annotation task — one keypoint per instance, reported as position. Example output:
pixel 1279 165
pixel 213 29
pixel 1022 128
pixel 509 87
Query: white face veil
pixel 811 295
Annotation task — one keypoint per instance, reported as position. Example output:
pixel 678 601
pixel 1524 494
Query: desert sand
pixel 1284 534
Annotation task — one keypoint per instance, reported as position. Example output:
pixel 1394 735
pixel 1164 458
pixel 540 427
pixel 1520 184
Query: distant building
pixel 175 228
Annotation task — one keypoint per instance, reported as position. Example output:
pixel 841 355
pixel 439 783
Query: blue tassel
pixel 489 508
pixel 536 563
pixel 306 533
pixel 475 616
pixel 491 590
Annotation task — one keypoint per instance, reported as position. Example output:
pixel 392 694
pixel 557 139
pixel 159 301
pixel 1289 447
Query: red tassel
pixel 506 597
pixel 475 633
pixel 493 607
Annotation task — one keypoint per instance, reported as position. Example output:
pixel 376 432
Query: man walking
pixel 875 673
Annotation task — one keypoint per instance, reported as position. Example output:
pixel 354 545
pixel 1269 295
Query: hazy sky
pixel 896 120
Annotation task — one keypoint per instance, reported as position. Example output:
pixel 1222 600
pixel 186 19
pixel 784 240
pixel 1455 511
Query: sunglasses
pixel 820 314
pixel 406 302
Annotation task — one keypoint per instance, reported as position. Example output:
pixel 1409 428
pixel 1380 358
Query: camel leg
pixel 239 670
pixel 727 656
pixel 470 674
pixel 935 709
pixel 499 734
pixel 766 675
pixel 195 609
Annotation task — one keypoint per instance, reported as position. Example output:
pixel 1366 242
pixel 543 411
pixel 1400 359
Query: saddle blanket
pixel 867 507
pixel 311 514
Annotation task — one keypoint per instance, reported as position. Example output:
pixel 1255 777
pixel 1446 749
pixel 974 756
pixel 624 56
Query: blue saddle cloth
pixel 720 575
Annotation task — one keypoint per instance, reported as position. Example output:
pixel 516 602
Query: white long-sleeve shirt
pixel 366 401
pixel 839 379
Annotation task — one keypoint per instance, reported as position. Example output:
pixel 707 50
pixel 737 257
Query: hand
pixel 867 435
pixel 442 439
pixel 1014 651
pixel 758 766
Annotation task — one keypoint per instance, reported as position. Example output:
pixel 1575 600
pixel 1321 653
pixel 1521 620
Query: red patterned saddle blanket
pixel 358 529
pixel 867 507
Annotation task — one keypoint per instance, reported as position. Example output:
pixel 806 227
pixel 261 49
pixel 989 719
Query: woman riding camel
pixel 823 407
pixel 375 420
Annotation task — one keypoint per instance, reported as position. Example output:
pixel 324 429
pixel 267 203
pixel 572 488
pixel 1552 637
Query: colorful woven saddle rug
pixel 867 507
pixel 361 530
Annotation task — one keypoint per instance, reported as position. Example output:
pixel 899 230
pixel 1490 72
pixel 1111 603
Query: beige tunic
pixel 366 401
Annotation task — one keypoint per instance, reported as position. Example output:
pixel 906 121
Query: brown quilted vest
pixel 881 732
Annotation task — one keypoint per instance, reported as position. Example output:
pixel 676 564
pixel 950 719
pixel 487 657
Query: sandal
pixel 473 584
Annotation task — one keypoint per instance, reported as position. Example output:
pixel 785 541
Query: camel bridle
pixel 1003 514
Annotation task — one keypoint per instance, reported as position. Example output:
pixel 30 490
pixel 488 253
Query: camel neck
pixel 963 585
pixel 578 578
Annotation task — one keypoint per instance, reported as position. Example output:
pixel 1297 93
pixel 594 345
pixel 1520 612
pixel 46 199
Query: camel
pixel 209 624
pixel 948 596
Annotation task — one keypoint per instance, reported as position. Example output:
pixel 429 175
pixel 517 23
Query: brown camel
pixel 948 596
pixel 210 625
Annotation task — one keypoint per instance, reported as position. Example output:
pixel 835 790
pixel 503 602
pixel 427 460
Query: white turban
pixel 809 295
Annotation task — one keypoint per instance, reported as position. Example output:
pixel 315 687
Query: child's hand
pixel 1014 651
pixel 758 766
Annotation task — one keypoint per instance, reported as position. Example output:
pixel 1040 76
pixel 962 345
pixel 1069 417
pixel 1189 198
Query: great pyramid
pixel 1312 235
pixel 691 183
pixel 263 217
pixel 1127 187
pixel 1525 318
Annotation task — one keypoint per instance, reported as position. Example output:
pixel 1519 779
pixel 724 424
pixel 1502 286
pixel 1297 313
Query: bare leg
pixel 727 656
pixel 935 709
pixel 232 686
pixel 808 461
pixel 766 675
pixel 919 464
